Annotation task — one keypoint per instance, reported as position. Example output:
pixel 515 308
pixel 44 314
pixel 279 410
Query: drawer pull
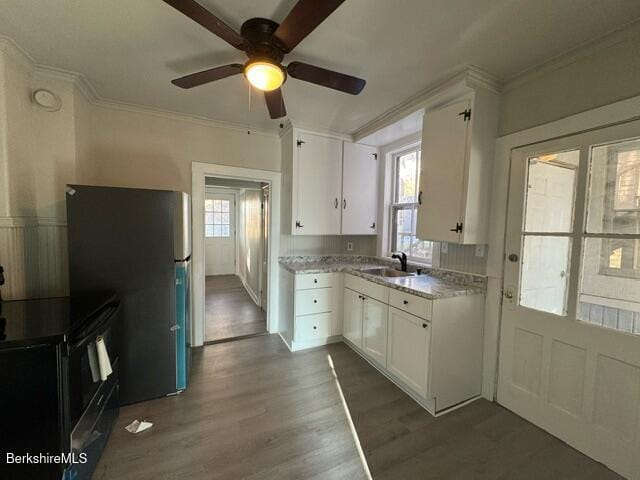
pixel 406 302
pixel 315 301
pixel 315 280
pixel 315 328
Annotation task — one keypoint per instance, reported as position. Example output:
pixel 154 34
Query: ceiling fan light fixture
pixel 265 76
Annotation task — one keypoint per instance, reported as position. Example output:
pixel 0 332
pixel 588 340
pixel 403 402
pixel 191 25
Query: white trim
pixel 436 95
pixel 198 173
pixel 10 222
pixel 619 112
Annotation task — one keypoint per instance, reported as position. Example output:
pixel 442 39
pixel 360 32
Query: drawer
pixel 313 301
pixel 369 289
pixel 314 280
pixel 310 327
pixel 418 306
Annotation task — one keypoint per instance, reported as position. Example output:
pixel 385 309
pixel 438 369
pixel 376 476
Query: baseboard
pixel 284 341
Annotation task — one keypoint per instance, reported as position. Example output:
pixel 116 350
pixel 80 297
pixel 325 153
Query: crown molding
pixel 465 81
pixel 10 48
pixel 566 58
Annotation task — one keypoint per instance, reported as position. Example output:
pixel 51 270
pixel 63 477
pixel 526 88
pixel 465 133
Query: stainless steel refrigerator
pixel 137 243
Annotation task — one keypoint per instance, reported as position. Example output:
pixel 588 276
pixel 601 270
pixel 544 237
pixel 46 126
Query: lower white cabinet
pixel 374 330
pixel 352 319
pixel 409 345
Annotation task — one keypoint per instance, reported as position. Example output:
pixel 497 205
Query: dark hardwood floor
pixel 230 311
pixel 255 410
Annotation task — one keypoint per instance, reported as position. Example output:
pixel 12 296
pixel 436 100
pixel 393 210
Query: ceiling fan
pixel 266 43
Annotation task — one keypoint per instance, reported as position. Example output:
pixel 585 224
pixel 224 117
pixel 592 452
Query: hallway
pixel 230 310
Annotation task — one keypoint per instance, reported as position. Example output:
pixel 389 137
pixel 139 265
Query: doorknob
pixel 508 294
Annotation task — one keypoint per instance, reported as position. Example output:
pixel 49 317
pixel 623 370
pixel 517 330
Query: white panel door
pixel 352 321
pixel 220 234
pixel 408 349
pixel 442 173
pixel 317 185
pixel 570 335
pixel 359 189
pixel 374 330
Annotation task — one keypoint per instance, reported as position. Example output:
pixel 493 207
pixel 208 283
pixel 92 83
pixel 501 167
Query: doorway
pixel 570 332
pixel 235 256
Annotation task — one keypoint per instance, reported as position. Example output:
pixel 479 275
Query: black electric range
pixel 56 407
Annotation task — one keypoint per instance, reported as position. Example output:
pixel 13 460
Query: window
pixel 406 178
pixel 216 218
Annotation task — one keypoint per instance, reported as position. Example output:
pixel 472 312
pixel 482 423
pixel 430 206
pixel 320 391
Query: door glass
pixel 544 275
pixel 609 293
pixel 551 183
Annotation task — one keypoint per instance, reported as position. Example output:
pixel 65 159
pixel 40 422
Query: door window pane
pixel 544 275
pixel 551 181
pixel 217 218
pixel 614 189
pixel 609 292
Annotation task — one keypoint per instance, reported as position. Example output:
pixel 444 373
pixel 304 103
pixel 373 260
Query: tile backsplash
pixel 326 244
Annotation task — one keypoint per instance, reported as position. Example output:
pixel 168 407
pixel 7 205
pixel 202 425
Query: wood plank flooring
pixel 254 410
pixel 230 311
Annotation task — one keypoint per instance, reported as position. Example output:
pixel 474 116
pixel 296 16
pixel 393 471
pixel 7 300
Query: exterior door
pixel 374 331
pixel 352 322
pixel 570 334
pixel 220 234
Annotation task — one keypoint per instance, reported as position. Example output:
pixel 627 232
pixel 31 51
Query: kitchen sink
pixel 387 272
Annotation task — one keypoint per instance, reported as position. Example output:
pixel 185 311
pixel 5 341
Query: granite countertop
pixel 432 283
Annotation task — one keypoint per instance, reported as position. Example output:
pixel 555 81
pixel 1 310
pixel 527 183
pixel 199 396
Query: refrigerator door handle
pixel 174 328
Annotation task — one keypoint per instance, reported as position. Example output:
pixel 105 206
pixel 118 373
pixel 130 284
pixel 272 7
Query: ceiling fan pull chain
pixel 249 114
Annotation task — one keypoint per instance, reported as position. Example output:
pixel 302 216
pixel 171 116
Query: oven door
pixel 84 380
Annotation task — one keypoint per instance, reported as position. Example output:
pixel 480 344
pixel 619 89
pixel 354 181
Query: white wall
pixel 250 236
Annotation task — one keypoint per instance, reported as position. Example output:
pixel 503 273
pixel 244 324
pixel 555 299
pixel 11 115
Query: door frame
pixel 211 189
pixel 198 173
pixel 616 113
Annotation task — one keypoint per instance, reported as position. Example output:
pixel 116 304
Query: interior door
pixel 359 189
pixel 220 234
pixel 442 175
pixel 570 333
pixel 317 185
pixel 352 322
pixel 374 330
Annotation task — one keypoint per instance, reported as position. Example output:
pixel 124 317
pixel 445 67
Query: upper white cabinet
pixel 359 189
pixel 330 186
pixel 317 185
pixel 457 153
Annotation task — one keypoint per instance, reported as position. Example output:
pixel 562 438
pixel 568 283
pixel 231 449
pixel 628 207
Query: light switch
pixel 479 250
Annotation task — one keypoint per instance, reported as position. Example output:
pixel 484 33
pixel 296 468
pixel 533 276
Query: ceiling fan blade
pixel 206 76
pixel 208 20
pixel 275 103
pixel 326 78
pixel 303 18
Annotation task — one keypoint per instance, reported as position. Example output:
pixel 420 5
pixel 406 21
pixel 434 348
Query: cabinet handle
pixel 420 198
pixel 336 203
pixel 299 224
pixel 315 328
pixel 425 325
pixel 458 228
pixel 373 225
pixel 344 203
pixel 315 280
pixel 315 301
pixel 406 302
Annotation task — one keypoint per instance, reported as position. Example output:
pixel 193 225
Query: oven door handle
pixel 100 319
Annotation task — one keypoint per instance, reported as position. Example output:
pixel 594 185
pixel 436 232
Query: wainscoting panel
pixel 34 256
pixel 462 258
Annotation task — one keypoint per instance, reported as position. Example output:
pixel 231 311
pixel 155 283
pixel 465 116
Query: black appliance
pixel 54 410
pixel 137 243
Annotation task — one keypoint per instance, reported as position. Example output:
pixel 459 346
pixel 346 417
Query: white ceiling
pixel 130 50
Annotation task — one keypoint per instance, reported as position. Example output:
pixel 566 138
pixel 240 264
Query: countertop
pixel 431 284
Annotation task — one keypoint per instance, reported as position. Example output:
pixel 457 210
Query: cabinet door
pixel 374 330
pixel 408 350
pixel 359 189
pixel 352 321
pixel 317 185
pixel 442 173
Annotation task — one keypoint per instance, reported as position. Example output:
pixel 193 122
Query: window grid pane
pixel 217 218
